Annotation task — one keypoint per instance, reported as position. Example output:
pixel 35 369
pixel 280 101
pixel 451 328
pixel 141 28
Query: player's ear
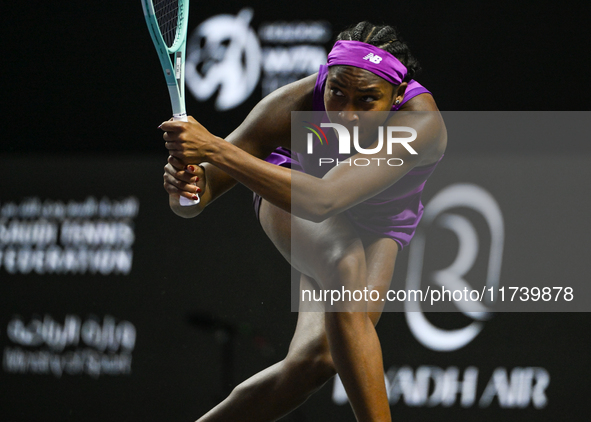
pixel 399 92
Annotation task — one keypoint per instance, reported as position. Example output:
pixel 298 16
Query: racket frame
pixel 174 73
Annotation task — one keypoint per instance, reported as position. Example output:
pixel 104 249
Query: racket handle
pixel 186 202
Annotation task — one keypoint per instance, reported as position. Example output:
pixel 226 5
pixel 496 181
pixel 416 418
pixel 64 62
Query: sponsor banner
pixel 431 386
pixel 77 346
pixel 92 236
pixel 102 292
pixel 228 58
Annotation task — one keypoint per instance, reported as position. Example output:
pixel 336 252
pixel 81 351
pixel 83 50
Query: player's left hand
pixel 189 141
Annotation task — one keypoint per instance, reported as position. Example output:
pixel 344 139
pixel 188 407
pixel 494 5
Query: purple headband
pixel 368 57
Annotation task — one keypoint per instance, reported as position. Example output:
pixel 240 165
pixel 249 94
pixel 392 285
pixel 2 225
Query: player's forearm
pixel 301 194
pixel 270 181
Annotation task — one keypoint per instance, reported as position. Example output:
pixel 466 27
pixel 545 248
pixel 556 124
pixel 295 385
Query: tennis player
pixel 339 225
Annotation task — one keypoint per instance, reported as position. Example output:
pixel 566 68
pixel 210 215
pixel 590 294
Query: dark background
pixel 81 76
pixel 82 94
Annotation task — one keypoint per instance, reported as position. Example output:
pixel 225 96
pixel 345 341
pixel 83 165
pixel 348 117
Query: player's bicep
pixel 268 125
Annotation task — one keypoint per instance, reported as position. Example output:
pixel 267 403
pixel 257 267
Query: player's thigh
pixel 310 335
pixel 312 248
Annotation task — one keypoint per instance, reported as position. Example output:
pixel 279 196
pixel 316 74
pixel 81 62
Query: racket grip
pixel 185 202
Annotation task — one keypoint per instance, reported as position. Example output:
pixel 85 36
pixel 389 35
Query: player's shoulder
pixel 425 114
pixel 297 96
pixel 268 125
pixel 422 107
pixel 421 102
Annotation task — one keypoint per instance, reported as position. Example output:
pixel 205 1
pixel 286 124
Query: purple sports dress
pixel 394 212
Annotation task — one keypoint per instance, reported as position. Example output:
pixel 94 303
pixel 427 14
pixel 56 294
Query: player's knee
pixel 314 367
pixel 343 268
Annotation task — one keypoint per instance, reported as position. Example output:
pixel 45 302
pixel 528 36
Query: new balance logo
pixel 373 58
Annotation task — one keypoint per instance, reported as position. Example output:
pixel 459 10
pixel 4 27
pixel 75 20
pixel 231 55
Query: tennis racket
pixel 167 22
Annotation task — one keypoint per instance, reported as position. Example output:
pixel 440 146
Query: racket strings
pixel 167 15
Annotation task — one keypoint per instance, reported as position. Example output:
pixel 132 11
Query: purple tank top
pixel 394 212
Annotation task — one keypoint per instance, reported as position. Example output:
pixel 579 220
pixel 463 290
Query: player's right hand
pixel 181 180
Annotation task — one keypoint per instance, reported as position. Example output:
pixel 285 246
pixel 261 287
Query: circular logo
pixel 453 278
pixel 224 56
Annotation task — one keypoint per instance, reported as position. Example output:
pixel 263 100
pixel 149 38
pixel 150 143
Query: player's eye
pixel 368 99
pixel 337 92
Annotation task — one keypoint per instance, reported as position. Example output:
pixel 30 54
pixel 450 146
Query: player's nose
pixel 349 115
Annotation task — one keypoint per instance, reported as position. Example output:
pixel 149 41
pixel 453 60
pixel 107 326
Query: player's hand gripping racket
pixel 167 22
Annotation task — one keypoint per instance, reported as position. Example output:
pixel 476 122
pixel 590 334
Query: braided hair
pixel 386 38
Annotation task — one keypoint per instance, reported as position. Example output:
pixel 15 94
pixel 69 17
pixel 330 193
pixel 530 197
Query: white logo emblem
pixel 224 54
pixel 374 58
pixel 477 199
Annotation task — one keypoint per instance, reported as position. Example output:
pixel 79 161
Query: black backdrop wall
pixel 114 308
pixel 83 77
